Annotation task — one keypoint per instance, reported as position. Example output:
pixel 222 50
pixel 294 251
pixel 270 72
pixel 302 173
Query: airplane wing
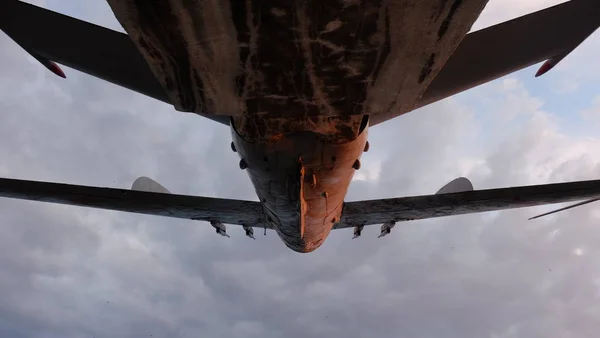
pixel 493 52
pixel 462 201
pixel 146 197
pixel 101 52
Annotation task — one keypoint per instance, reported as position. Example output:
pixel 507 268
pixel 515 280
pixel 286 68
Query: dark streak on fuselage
pixel 444 26
pixel 385 47
pixel 426 70
pixel 156 15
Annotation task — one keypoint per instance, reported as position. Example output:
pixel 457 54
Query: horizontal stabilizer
pixel 216 210
pixel 380 211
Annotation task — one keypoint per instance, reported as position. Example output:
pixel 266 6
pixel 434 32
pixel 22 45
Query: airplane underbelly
pixel 301 181
pixel 281 59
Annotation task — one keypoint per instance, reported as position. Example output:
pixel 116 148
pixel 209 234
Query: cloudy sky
pixel 75 272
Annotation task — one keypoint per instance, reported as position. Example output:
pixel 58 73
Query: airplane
pixel 299 84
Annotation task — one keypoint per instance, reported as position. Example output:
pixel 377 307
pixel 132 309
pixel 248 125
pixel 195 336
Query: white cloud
pixel 73 272
pixel 592 114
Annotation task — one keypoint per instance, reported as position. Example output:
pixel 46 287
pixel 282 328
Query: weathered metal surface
pixel 296 59
pixel 191 47
pixel 420 207
pixel 169 205
pixel 490 53
pixel 422 35
pixel 301 179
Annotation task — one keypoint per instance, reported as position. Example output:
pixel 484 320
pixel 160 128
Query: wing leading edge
pixel 391 210
pixel 92 49
pixel 214 210
pixel 493 52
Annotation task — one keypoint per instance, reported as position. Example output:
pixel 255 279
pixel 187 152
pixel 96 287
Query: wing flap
pixel 429 206
pixel 247 213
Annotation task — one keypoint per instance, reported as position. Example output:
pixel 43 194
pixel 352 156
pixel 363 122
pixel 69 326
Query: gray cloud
pixel 76 272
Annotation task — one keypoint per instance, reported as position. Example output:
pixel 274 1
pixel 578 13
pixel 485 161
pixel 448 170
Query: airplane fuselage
pixel 301 176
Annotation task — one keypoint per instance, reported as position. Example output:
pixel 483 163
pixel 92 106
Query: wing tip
pixel 54 68
pixel 544 68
